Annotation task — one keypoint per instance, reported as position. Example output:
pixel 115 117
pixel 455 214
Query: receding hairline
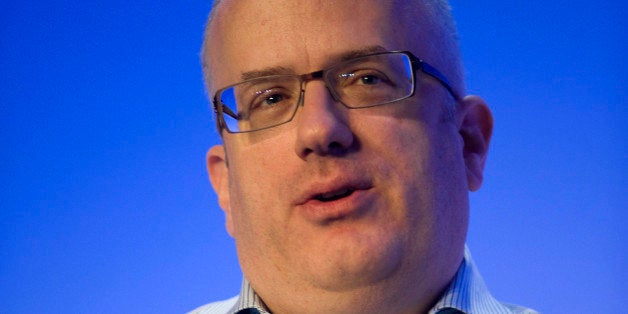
pixel 438 12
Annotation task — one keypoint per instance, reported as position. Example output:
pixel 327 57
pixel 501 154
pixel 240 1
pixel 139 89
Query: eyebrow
pixel 278 70
pixel 344 56
pixel 360 52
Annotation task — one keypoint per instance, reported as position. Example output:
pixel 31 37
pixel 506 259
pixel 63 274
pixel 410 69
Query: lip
pixel 335 199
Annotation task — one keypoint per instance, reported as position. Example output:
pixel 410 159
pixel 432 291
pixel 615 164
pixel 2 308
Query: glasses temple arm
pixel 225 109
pixel 433 72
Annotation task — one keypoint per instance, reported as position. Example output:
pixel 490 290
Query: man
pixel 348 154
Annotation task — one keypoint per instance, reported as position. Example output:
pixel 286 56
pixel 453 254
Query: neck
pixel 398 294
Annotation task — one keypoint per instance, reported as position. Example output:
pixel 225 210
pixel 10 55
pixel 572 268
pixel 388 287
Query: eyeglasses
pixel 367 81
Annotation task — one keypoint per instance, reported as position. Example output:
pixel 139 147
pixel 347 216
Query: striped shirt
pixel 467 294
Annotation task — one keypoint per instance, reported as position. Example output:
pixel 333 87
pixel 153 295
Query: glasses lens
pixel 260 103
pixel 372 80
pixel 269 101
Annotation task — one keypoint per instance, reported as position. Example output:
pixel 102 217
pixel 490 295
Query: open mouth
pixel 332 196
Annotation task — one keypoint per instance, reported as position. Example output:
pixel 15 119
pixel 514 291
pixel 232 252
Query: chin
pixel 351 266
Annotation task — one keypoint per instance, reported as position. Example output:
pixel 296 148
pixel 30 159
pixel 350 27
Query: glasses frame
pixel 417 64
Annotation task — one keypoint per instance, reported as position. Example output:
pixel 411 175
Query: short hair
pixel 445 34
pixel 440 13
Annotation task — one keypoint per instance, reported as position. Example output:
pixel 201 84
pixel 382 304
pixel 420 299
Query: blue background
pixel 105 203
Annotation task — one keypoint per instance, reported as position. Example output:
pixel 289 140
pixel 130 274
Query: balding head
pixel 429 24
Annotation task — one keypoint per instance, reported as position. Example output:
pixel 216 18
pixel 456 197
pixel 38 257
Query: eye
pixel 267 103
pixel 363 78
pixel 370 79
pixel 269 98
pixel 273 99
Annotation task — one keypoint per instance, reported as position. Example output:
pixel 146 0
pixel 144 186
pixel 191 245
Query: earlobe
pixel 476 128
pixel 219 177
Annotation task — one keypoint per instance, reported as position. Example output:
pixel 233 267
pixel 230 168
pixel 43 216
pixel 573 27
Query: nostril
pixel 336 149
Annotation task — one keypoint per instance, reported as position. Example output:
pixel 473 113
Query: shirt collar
pixel 466 293
pixel 249 301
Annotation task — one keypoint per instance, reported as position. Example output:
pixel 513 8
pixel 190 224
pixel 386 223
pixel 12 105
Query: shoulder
pixel 220 307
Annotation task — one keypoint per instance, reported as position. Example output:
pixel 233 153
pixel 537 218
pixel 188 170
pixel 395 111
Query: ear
pixel 219 177
pixel 475 127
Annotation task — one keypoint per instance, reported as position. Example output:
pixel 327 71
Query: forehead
pixel 300 35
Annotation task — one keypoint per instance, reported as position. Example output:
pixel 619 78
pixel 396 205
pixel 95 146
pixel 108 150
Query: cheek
pixel 399 151
pixel 422 163
pixel 253 214
pixel 256 189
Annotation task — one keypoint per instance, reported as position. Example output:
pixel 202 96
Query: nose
pixel 323 127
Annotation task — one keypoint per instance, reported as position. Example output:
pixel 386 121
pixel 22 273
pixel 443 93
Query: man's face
pixel 337 199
